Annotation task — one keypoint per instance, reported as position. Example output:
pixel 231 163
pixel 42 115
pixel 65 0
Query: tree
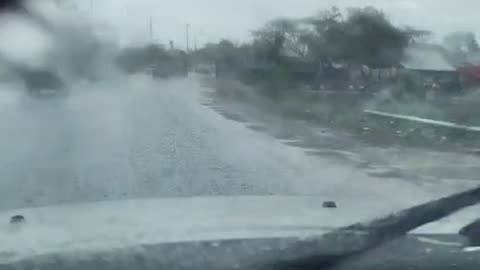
pixel 207 53
pixel 370 38
pixel 269 42
pixel 465 42
pixel 363 36
pixel 323 42
pixel 228 57
pixel 459 46
pixel 284 36
pixel 145 58
pixel 226 52
pixel 325 21
pixel 416 35
pixel 473 46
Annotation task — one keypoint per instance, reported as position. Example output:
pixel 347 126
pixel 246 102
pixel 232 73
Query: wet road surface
pixel 136 138
pixel 416 163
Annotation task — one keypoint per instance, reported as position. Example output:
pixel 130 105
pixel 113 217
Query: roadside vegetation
pixel 153 59
pixel 330 67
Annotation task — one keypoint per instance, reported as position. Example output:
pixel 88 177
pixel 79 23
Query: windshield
pixel 231 108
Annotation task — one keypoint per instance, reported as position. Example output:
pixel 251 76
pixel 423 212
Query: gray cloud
pixel 211 20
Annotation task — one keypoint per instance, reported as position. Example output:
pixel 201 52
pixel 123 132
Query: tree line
pixel 357 36
pixel 286 49
pixel 154 59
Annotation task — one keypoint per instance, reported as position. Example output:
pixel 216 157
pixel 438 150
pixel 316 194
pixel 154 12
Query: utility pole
pixel 188 38
pixel 187 56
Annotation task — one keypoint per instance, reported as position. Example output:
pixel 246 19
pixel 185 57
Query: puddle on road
pixel 320 142
pixel 329 154
pixel 258 128
pixel 286 136
pixel 451 172
pixel 342 156
pixel 364 165
pixel 299 144
pixel 222 110
pixel 389 173
pixel 234 117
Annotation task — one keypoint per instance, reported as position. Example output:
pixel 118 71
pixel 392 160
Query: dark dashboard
pixel 410 252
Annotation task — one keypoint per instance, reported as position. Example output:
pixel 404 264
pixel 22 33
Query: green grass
pixel 345 112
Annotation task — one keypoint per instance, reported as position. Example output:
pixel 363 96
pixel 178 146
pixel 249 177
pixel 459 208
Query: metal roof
pixel 426 59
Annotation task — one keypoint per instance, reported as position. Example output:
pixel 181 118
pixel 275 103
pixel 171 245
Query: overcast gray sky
pixel 213 19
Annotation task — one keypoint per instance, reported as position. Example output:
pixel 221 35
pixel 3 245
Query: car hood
pixel 112 225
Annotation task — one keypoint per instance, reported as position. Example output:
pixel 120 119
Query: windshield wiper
pixel 334 247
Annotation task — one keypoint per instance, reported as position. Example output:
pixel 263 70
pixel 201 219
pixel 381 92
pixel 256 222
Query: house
pixel 427 60
pixel 431 64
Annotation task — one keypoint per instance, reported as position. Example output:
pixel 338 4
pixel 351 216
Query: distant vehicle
pixel 39 82
pixel 42 83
